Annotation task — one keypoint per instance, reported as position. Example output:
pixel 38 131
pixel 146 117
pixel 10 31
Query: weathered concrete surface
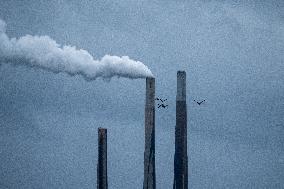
pixel 149 153
pixel 102 182
pixel 181 159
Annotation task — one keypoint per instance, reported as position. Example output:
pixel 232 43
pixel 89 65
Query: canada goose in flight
pixel 199 103
pixel 161 99
pixel 162 105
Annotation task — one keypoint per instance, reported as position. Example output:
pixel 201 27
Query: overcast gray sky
pixel 232 51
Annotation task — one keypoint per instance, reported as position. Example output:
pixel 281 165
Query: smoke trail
pixel 43 52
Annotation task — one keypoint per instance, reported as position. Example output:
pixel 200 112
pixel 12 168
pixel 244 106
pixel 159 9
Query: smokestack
pixel 102 159
pixel 149 154
pixel 181 160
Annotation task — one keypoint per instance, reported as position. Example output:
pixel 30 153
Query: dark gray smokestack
pixel 181 160
pixel 149 154
pixel 102 159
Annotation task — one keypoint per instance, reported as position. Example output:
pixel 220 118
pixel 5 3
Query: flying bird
pixel 162 105
pixel 199 103
pixel 161 99
pixel 162 102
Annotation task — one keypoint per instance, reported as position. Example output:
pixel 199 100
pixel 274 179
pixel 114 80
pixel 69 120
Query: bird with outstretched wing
pixel 162 105
pixel 199 103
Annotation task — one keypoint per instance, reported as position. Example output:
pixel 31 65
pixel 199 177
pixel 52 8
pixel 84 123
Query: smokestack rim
pixel 150 78
pixel 180 72
pixel 181 85
pixel 102 130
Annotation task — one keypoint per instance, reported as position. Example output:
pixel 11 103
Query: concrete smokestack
pixel 181 160
pixel 149 154
pixel 102 159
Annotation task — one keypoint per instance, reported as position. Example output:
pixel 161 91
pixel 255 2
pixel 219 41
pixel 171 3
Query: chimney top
pixel 181 86
pixel 150 83
pixel 102 130
pixel 181 72
pixel 150 91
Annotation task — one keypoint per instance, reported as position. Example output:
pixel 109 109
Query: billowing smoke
pixel 43 52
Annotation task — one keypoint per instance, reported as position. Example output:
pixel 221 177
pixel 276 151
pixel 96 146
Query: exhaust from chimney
pixel 45 53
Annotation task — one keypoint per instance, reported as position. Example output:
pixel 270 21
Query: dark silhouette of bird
pixel 161 99
pixel 162 105
pixel 199 103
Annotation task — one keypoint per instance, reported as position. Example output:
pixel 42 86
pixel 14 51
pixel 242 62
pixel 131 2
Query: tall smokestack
pixel 102 159
pixel 181 160
pixel 149 154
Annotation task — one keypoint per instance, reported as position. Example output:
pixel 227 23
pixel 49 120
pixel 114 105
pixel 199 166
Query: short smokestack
pixel 149 154
pixel 102 159
pixel 181 160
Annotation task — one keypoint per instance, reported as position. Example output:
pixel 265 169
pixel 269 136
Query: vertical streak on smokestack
pixel 102 159
pixel 181 160
pixel 149 154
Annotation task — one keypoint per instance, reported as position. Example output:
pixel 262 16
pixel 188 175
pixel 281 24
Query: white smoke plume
pixel 43 52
